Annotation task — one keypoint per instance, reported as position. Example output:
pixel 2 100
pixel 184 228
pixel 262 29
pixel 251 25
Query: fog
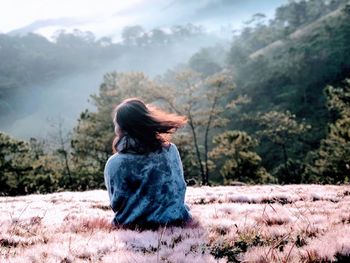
pixel 66 97
pixel 108 17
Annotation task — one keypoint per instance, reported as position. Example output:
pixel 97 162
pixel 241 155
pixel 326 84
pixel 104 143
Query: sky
pixel 108 17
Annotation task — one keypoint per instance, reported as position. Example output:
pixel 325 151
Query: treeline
pixel 32 59
pixel 280 117
pixel 26 167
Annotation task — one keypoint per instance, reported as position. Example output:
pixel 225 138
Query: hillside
pixel 298 34
pixel 294 223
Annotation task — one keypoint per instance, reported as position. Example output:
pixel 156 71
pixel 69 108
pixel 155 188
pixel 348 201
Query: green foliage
pixel 184 144
pixel 282 129
pixel 289 74
pixel 15 162
pixel 291 172
pixel 290 17
pixel 241 163
pixel 300 13
pixel 331 162
pixel 279 127
pixel 24 168
pixel 207 61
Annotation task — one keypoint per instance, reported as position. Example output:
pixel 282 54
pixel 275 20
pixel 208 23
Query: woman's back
pixel 147 190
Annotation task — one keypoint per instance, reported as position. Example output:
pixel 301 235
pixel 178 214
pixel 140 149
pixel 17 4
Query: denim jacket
pixel 147 190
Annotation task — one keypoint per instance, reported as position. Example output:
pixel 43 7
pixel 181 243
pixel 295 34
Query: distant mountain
pixel 212 14
pixel 63 22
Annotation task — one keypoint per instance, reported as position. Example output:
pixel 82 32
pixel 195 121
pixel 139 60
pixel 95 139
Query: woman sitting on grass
pixel 144 176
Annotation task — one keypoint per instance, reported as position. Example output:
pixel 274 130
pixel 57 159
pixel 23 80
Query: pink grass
pixel 293 223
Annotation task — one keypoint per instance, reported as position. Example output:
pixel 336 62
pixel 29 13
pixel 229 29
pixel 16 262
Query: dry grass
pixel 296 223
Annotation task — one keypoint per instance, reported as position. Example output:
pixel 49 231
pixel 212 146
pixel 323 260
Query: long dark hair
pixel 146 124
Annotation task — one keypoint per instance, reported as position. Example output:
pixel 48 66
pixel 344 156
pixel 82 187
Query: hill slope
pixel 296 223
pixel 298 34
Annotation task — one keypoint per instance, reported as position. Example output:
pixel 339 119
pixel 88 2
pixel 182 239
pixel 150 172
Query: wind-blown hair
pixel 149 126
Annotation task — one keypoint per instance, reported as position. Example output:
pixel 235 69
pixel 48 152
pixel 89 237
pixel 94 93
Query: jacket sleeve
pixel 179 164
pixel 114 181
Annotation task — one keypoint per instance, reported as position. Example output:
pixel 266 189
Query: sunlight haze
pixel 108 17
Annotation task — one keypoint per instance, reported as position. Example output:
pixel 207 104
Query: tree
pixel 75 39
pixel 202 101
pixel 292 15
pixel 60 142
pixel 24 168
pixel 241 163
pixel 181 32
pixel 204 62
pixel 184 143
pixel 15 164
pixel 130 34
pixel 292 77
pixel 281 128
pixel 158 37
pixel 331 162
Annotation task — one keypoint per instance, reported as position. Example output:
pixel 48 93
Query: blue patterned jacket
pixel 147 190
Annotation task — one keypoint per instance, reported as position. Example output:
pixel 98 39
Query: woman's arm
pixel 113 176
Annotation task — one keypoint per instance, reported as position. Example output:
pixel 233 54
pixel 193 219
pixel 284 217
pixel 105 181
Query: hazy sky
pixel 18 13
pixel 108 17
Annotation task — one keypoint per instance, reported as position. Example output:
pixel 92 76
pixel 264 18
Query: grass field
pixel 295 223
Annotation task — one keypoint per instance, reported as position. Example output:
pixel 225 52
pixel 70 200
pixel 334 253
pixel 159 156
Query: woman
pixel 144 176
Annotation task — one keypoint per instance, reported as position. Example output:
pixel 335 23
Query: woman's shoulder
pixel 120 158
pixel 169 148
pixel 116 160
pixel 172 146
